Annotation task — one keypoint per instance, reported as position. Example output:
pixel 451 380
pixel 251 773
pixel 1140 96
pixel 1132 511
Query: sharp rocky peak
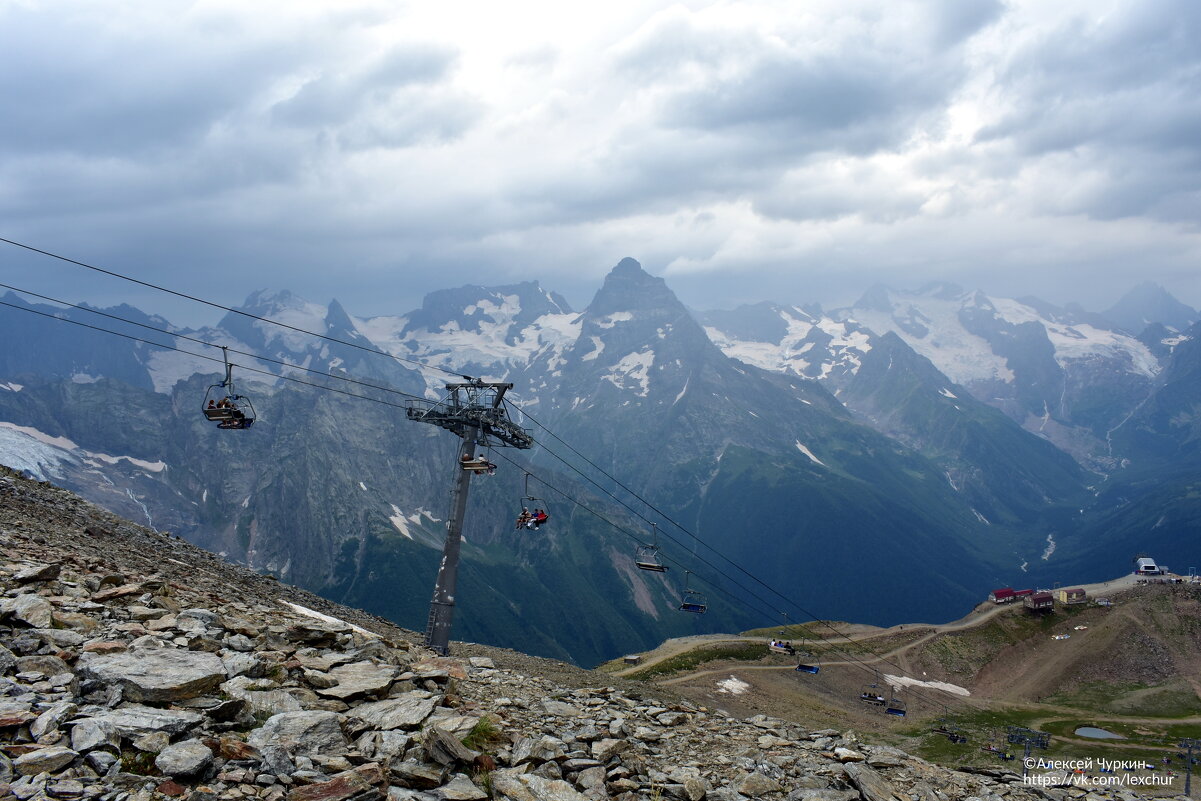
pixel 629 288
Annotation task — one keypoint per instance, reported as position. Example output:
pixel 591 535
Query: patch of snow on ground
pixel 610 320
pixel 946 393
pixel 682 391
pixel 905 681
pixel 981 518
pixel 733 686
pixel 297 313
pixel 599 348
pixel 63 450
pixel 20 451
pixel 362 486
pixel 11 387
pixel 633 367
pixel 400 521
pixel 809 453
pixel 1081 342
pixel 1050 549
pixel 304 610
pixel 961 356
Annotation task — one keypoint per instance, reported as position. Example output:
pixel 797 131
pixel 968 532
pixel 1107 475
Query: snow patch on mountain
pixel 400 521
pixel 493 340
pixel 610 320
pixel 934 330
pixel 1081 341
pixel 41 454
pixel 598 348
pixel 284 307
pixel 809 453
pixel 845 344
pixel 632 371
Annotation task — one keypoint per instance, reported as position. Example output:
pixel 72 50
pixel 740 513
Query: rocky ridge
pixel 134 666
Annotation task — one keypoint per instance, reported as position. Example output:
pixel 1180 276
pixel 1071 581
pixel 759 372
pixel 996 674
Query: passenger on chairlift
pixel 537 519
pixel 524 518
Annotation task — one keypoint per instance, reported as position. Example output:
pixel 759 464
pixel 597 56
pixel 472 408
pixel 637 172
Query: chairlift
pixel 225 406
pixel 802 668
pixel 895 706
pixel 534 511
pixel 870 693
pixel 692 601
pixel 646 557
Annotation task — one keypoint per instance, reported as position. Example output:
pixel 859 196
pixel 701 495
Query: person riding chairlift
pixel 479 464
pixel 524 518
pixel 537 519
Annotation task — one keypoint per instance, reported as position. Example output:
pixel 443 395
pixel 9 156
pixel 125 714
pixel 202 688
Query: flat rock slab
pixel 359 679
pixel 138 721
pixel 159 675
pixel 44 760
pixel 871 785
pixel 511 786
pixel 267 702
pixel 313 733
pixel 406 712
pixel 364 783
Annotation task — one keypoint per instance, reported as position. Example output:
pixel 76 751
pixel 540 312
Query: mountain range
pixel 890 461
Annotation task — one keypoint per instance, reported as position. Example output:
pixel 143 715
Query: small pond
pixel 1098 734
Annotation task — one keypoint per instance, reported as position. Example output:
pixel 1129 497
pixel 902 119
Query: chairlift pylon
pixel 226 407
pixel 692 601
pixel 646 557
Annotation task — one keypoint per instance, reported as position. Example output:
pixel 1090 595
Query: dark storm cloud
pixel 68 87
pixel 1122 93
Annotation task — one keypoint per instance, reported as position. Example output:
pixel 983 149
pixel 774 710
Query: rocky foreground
pixel 135 666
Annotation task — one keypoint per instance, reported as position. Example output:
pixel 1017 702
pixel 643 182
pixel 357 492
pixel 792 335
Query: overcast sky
pixel 794 151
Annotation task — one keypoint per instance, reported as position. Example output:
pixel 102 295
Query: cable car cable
pixel 230 309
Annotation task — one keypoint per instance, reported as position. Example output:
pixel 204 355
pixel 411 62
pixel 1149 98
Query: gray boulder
pixel 134 721
pixel 316 733
pixel 407 711
pixel 187 758
pixel 157 675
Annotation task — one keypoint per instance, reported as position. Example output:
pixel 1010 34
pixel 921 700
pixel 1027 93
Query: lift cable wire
pixel 814 618
pixel 230 309
pixel 742 601
pixel 247 368
pixel 848 658
pixel 257 357
pixel 350 394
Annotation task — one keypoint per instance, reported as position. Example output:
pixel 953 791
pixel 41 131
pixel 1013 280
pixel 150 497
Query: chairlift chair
pixel 870 693
pixel 225 406
pixel 802 668
pixel 895 706
pixel 646 557
pixel 692 601
pixel 528 504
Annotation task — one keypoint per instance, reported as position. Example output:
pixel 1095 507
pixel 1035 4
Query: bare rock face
pixel 158 675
